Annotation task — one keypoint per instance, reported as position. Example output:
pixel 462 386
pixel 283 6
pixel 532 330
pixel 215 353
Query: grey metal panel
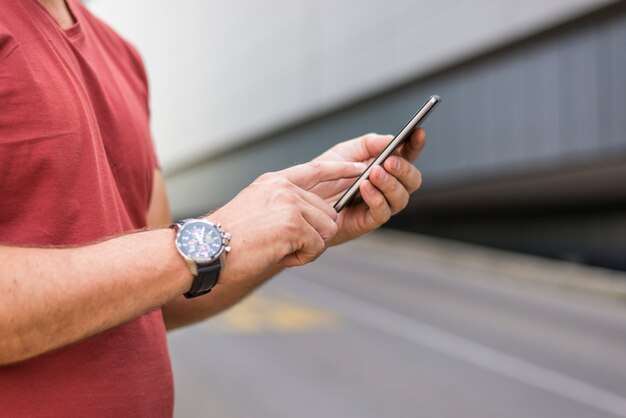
pixel 617 70
pixel 605 93
pixel 479 145
pixel 579 94
pixel 541 125
pixel 508 100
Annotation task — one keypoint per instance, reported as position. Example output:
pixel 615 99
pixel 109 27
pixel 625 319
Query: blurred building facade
pixel 527 150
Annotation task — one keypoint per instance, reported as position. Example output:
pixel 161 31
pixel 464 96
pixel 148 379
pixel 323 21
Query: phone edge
pixel 413 124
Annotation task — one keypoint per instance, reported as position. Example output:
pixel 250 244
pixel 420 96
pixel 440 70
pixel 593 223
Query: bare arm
pixel 53 297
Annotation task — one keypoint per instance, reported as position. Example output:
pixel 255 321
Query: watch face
pixel 199 240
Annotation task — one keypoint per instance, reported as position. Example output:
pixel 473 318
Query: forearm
pixel 53 297
pixel 181 312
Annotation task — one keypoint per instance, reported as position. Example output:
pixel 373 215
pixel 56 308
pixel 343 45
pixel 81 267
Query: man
pixel 84 303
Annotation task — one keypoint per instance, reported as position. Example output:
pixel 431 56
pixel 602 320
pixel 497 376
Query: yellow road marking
pixel 273 312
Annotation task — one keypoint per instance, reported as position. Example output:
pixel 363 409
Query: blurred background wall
pixel 526 152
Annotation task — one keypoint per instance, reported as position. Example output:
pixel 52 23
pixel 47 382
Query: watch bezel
pixel 201 260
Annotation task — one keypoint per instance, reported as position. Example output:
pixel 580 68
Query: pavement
pixel 399 325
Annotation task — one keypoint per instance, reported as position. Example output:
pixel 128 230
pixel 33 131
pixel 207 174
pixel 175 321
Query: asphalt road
pixel 382 328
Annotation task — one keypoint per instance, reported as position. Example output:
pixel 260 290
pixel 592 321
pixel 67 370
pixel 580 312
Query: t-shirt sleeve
pixel 140 69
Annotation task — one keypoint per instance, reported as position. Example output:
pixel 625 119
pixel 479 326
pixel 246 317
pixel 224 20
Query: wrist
pixel 174 264
pixel 201 244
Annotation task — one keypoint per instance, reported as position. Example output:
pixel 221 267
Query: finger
pixel 373 144
pixel 394 192
pixel 379 211
pixel 331 190
pixel 290 260
pixel 318 203
pixel 324 225
pixel 308 175
pixel 412 148
pixel 406 173
pixel 311 248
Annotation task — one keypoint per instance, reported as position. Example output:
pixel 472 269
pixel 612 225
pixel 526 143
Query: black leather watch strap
pixel 205 280
pixel 207 275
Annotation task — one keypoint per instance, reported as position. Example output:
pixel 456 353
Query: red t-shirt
pixel 76 165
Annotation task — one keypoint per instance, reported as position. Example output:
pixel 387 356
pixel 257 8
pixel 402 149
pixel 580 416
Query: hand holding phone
pixel 398 140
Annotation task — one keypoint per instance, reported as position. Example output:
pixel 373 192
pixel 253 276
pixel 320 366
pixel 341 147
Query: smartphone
pixel 399 139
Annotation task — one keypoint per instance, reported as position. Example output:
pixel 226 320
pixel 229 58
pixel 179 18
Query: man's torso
pixel 76 164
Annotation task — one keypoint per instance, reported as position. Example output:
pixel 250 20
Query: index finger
pixel 309 175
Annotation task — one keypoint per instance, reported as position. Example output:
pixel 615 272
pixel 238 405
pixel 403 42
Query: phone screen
pixel 398 140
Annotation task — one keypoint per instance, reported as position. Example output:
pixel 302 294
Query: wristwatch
pixel 202 244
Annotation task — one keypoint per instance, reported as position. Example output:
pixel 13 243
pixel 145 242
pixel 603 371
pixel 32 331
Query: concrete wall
pixel 224 73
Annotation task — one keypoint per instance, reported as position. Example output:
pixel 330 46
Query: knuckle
pixel 314 247
pixel 418 180
pixel 288 199
pixel 294 219
pixel 333 215
pixel 405 167
pixel 386 215
pixel 382 211
pixel 334 228
pixel 278 187
pixel 316 165
pixel 399 200
pixel 380 203
pixel 291 225
pixel 404 201
pixel 315 168
pixel 330 231
pixel 281 182
pixel 265 177
pixel 319 246
pixel 308 258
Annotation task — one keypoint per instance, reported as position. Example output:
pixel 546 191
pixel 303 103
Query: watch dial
pixel 199 241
